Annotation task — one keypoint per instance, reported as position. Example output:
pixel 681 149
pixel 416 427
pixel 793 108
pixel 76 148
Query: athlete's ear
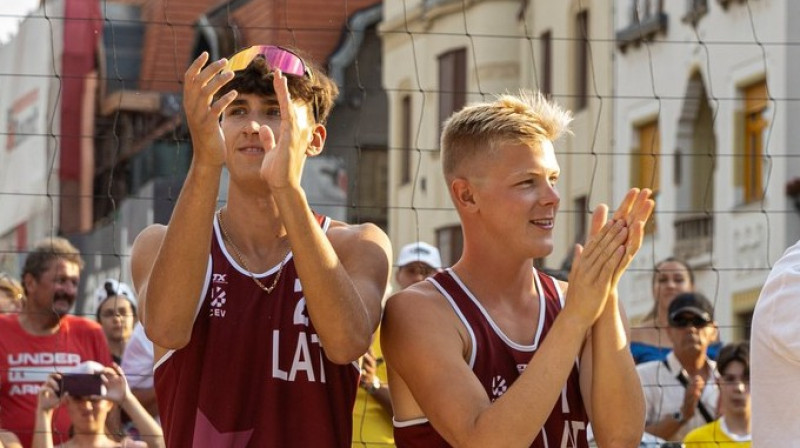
pixel 317 143
pixel 463 194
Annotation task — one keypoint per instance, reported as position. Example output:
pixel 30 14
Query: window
pixel 452 84
pixel 750 160
pixel 582 60
pixel 372 192
pixel 581 205
pixel 450 241
pixel 546 43
pixel 645 162
pixel 405 149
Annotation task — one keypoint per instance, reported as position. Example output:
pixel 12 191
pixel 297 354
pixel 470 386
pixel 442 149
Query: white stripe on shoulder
pixel 473 350
pixel 542 308
pixel 163 359
pixel 236 265
pixel 199 306
pixel 326 223
pixel 407 423
pixel 495 327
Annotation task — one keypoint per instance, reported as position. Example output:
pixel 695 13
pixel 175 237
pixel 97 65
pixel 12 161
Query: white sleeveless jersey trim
pixel 199 306
pixel 473 349
pixel 495 327
pixel 407 423
pixel 235 264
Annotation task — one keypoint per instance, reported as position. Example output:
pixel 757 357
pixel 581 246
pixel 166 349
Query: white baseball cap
pixel 110 288
pixel 419 252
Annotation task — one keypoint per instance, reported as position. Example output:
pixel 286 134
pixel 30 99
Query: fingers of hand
pixel 281 86
pixel 625 207
pixel 612 231
pixel 643 206
pixel 194 68
pixel 223 102
pixel 267 137
pixel 576 262
pixel 216 82
pixel 606 251
pixel 599 218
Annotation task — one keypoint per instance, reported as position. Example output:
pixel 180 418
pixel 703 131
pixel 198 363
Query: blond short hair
pixel 527 118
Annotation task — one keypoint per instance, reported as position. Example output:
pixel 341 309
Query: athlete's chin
pixel 542 248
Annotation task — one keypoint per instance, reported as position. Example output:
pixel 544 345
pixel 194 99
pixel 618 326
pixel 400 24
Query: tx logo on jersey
pixel 499 387
pixel 218 299
pixel 219 278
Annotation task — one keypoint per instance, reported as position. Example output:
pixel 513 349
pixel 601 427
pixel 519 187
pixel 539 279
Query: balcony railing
pixel 693 236
pixel 647 18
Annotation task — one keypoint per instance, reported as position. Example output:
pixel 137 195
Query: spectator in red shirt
pixel 44 338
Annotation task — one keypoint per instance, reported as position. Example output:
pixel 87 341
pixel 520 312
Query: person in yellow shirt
pixel 372 413
pixel 733 428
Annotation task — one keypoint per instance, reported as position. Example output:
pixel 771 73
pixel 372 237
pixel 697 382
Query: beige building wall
pixel 586 155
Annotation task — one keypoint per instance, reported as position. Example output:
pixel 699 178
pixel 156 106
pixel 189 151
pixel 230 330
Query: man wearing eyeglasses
pixel 681 391
pixel 258 311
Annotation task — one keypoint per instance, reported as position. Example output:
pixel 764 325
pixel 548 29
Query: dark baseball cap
pixel 693 303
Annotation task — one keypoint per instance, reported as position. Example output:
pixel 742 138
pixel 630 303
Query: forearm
pixel 344 320
pixel 147 397
pixel 383 398
pixel 42 434
pixel 666 428
pixel 618 405
pixel 149 430
pixel 179 269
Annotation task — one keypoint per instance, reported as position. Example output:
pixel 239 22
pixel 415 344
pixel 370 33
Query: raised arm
pixel 48 400
pixel 608 374
pixel 425 347
pixel 345 273
pixel 169 263
pixel 119 392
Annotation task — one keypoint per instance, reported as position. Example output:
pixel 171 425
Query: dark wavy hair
pixel 736 351
pixel 257 79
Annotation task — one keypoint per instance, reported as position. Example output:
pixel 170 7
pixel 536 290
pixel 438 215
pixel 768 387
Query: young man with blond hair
pixel 493 351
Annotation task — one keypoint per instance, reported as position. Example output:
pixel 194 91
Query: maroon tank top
pixel 498 361
pixel 254 373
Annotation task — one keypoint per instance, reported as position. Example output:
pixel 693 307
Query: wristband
pixel 680 417
pixel 373 387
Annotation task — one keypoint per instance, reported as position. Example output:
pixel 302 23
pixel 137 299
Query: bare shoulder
pixel 362 239
pixel 146 246
pixel 420 317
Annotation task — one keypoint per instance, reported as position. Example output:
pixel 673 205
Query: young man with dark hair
pixel 44 338
pixel 492 351
pixel 732 429
pixel 258 310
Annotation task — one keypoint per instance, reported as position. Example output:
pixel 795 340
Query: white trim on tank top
pixel 495 327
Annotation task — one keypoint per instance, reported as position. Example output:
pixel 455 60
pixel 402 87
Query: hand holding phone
pixel 82 385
